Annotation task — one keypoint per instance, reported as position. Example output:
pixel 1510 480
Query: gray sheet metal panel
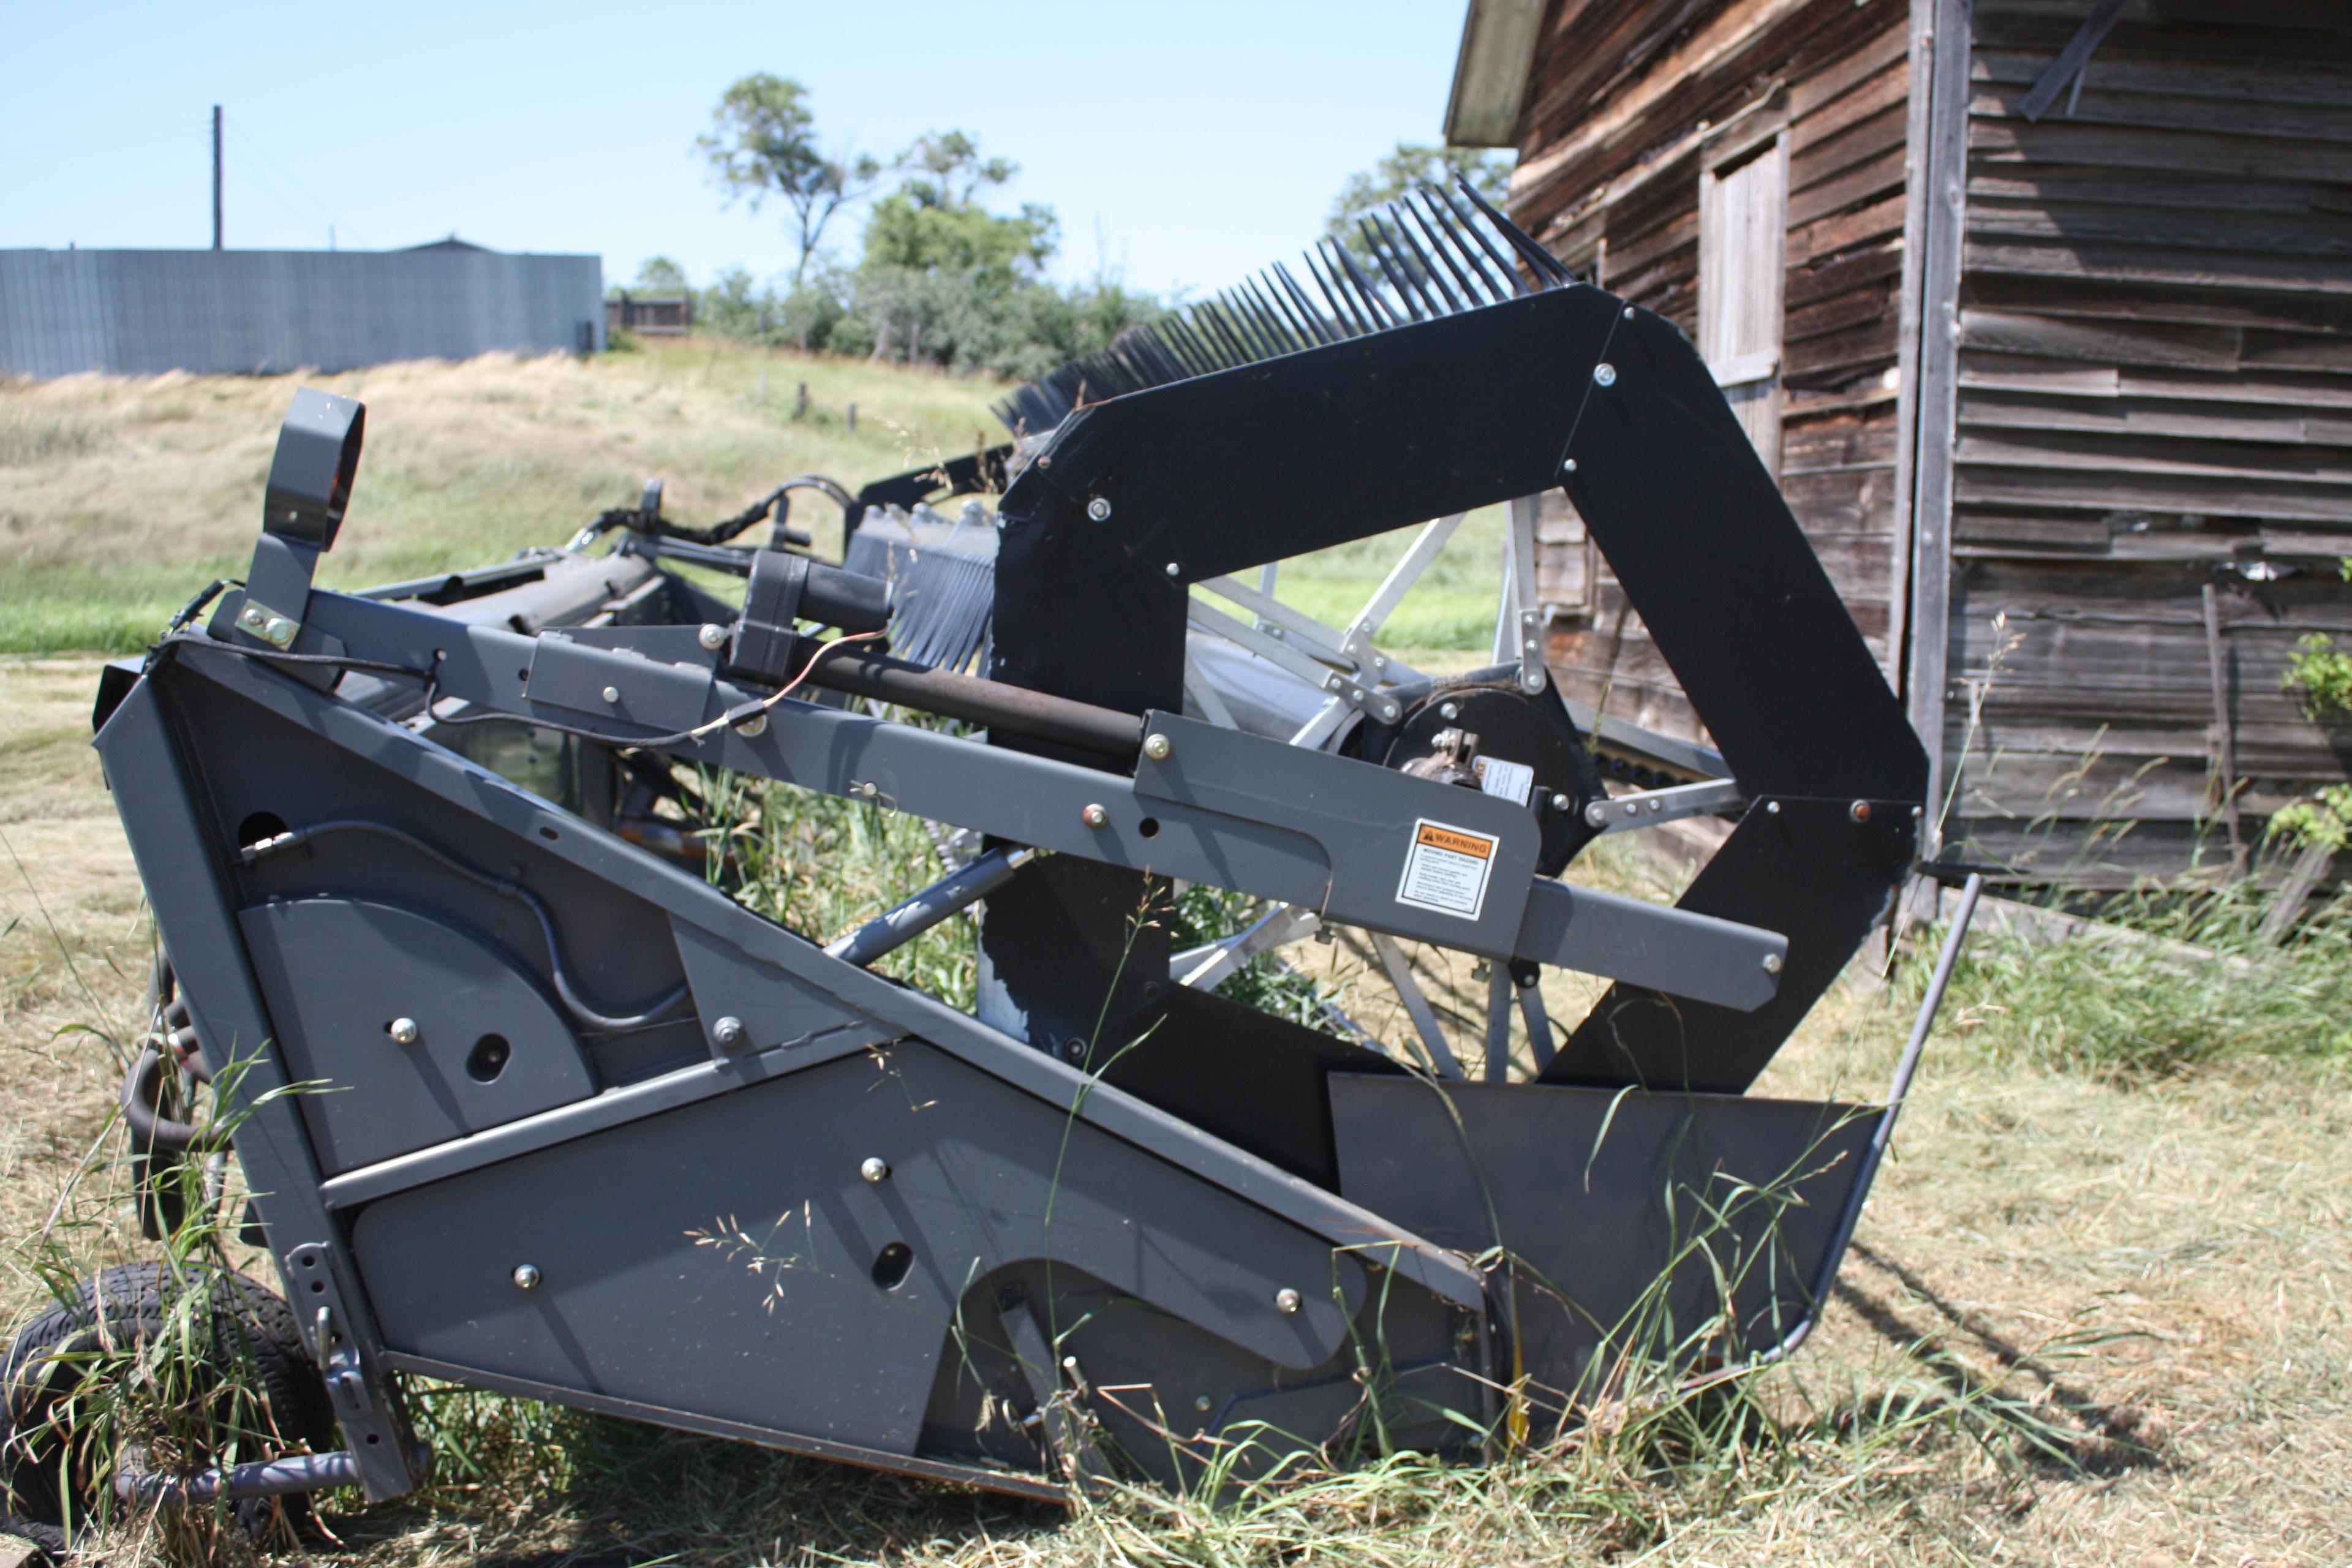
pixel 723 1256
pixel 194 914
pixel 143 311
pixel 1596 1192
pixel 1342 860
pixel 469 788
pixel 336 972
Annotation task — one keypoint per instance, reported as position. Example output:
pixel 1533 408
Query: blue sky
pixel 1184 143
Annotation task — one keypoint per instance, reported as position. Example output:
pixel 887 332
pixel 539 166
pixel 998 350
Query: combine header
pixel 399 850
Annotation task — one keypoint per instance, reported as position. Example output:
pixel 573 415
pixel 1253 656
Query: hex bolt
pixel 1158 747
pixel 726 1031
pixel 526 1277
pixel 612 694
pixel 1100 509
pixel 1771 964
pixel 1094 816
pixel 1604 373
pixel 404 1032
pixel 874 1168
pixel 1859 811
pixel 712 636
pixel 1287 1300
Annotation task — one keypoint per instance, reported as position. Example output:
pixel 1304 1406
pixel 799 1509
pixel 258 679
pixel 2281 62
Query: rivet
pixel 1074 1048
pixel 1771 964
pixel 1174 570
pixel 1203 1404
pixel 1094 816
pixel 1859 811
pixel 1629 312
pixel 1450 711
pixel 726 1031
pixel 1285 1300
pixel 756 724
pixel 1569 466
pixel 1100 509
pixel 526 1277
pixel 1605 373
pixel 874 1168
pixel 612 694
pixel 1771 808
pixel 404 1032
pixel 1158 747
pixel 1595 814
pixel 1560 802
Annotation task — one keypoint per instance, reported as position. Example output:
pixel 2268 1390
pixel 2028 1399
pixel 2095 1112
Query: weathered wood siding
pixel 1626 99
pixel 2156 399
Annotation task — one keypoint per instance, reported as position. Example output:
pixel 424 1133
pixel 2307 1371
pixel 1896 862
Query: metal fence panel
pixel 144 311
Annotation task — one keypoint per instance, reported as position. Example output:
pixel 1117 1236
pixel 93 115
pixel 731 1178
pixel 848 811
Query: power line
pixel 330 215
pixel 110 143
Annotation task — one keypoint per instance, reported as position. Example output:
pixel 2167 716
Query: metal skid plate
pixel 1595 1198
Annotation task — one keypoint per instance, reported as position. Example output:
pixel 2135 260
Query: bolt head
pixel 1559 801
pixel 1287 1300
pixel 404 1032
pixel 1569 466
pixel 1771 964
pixel 726 1031
pixel 1604 373
pixel 756 724
pixel 1859 811
pixel 874 1168
pixel 1595 814
pixel 1158 747
pixel 1771 808
pixel 526 1277
pixel 1100 509
pixel 1629 312
pixel 612 694
pixel 1203 1404
pixel 1075 1048
pixel 1174 570
pixel 712 636
pixel 1094 816
pixel 1450 711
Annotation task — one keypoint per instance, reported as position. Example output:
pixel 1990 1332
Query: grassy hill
pixel 122 496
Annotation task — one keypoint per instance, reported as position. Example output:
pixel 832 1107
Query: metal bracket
pixel 364 1404
pixel 270 625
pixel 1648 808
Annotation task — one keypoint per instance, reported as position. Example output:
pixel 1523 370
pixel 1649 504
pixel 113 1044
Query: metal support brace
pixel 1538 1021
pixel 1648 808
pixel 1519 622
pixel 1500 994
pixel 1207 968
pixel 1402 577
pixel 1416 1006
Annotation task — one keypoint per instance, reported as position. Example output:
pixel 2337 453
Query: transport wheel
pixel 196 1368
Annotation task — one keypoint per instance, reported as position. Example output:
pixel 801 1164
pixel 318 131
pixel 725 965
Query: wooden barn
pixel 2039 308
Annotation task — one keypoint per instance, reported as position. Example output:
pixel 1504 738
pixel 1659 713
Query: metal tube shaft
pixel 1104 731
pixel 895 927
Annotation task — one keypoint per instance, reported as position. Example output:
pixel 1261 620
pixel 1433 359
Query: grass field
pixel 2096 1313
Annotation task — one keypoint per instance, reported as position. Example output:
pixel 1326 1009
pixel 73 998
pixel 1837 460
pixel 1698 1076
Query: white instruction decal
pixel 1446 870
pixel 1513 780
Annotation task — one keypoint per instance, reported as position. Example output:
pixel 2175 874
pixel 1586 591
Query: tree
pixel 660 275
pixel 1412 164
pixel 941 271
pixel 763 143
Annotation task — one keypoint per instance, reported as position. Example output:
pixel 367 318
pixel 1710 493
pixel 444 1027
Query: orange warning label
pixel 1454 838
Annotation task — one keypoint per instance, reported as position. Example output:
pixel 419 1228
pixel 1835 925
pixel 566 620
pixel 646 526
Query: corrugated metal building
pixel 2040 310
pixel 144 312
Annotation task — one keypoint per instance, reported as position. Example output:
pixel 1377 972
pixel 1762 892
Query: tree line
pixel 940 277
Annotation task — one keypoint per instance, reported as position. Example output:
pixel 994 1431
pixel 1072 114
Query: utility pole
pixel 216 176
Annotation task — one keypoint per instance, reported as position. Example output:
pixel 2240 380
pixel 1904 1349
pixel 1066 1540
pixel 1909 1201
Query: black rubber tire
pixel 251 1335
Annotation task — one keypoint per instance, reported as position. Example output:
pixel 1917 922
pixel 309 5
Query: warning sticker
pixel 1513 780
pixel 1446 870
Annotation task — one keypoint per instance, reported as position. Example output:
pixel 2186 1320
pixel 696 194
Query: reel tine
pixel 1455 306
pixel 1432 224
pixel 1514 284
pixel 1387 270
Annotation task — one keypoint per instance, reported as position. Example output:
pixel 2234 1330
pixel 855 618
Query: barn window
pixel 1743 220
